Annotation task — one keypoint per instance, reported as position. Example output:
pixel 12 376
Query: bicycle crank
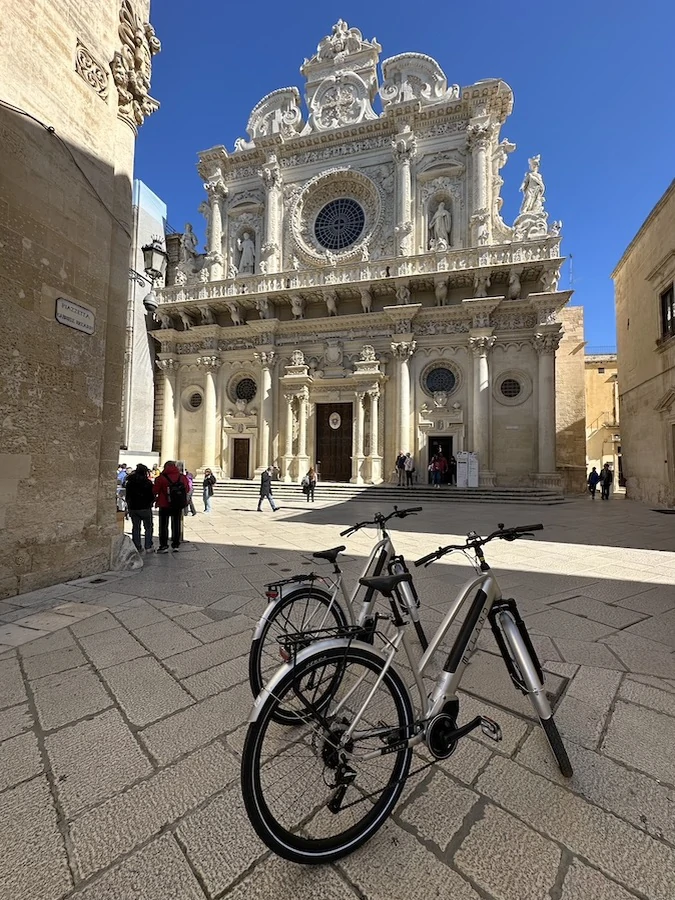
pixel 442 733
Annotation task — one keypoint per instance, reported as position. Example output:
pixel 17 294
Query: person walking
pixel 191 504
pixel 452 469
pixel 400 468
pixel 266 489
pixel 409 468
pixel 171 491
pixel 438 467
pixel 309 483
pixel 209 481
pixel 606 478
pixel 140 500
pixel 593 480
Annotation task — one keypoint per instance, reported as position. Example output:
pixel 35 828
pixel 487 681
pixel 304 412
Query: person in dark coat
pixel 593 480
pixel 165 488
pixel 209 481
pixel 266 489
pixel 606 478
pixel 140 500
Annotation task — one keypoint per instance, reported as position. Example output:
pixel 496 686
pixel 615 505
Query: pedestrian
pixel 209 481
pixel 266 489
pixel 438 467
pixel 400 468
pixel 171 490
pixel 593 480
pixel 121 474
pixel 606 478
pixel 452 469
pixel 140 500
pixel 191 505
pixel 309 484
pixel 409 468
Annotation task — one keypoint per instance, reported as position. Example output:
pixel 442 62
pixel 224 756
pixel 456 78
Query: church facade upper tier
pixel 383 163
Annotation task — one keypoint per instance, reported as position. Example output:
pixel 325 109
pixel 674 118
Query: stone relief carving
pixel 404 145
pixel 164 320
pixel 297 358
pixel 91 70
pixel 341 42
pixel 549 280
pixel 431 328
pixel 262 304
pixel 185 319
pixel 277 113
pixel 366 299
pixel 481 346
pixel 297 306
pixel 235 312
pixel 546 343
pixel 331 299
pixel 402 295
pixel 481 283
pixel 368 353
pixel 207 316
pixel 414 76
pixel 513 321
pixel 403 349
pixel 341 99
pixel 441 290
pixel 514 288
pixel 132 66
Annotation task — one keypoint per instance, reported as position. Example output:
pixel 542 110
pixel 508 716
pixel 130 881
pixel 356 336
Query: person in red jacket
pixel 171 490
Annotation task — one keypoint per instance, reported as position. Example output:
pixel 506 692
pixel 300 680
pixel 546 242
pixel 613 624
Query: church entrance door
pixel 437 441
pixel 240 450
pixel 334 441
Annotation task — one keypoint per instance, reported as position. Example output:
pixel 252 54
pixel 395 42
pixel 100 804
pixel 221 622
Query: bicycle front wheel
pixel 314 793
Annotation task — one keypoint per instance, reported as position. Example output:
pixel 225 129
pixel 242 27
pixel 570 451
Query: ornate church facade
pixel 360 293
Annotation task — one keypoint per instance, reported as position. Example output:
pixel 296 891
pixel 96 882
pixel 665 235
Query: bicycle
pixel 316 792
pixel 312 602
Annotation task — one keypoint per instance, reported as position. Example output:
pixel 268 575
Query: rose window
pixel 246 389
pixel 440 379
pixel 339 224
pixel 510 388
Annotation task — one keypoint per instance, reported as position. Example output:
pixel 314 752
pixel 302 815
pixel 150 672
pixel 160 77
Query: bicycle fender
pixel 313 650
pixel 272 605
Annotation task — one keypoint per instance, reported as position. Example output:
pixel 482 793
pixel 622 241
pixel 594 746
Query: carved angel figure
pixel 533 189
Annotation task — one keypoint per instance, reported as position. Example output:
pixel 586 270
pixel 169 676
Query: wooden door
pixel 334 441
pixel 240 458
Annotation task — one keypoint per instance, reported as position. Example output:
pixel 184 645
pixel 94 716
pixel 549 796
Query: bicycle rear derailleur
pixel 443 734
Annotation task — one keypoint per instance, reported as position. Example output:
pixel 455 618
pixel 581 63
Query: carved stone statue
pixel 441 291
pixel 366 300
pixel 533 189
pixel 402 295
pixel 513 292
pixel 481 283
pixel 164 321
pixel 549 280
pixel 368 353
pixel 440 399
pixel 262 304
pixel 207 316
pixel 247 258
pixel 235 312
pixel 185 319
pixel 556 228
pixel 440 226
pixel 331 303
pixel 297 358
pixel 297 307
pixel 342 39
pixel 188 245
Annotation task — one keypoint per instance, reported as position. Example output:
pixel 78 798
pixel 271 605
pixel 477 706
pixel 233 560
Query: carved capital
pixel 209 363
pixel 215 187
pixel 271 173
pixel 481 346
pixel 479 135
pixel 266 358
pixel 546 342
pixel 168 366
pixel 403 350
pixel 404 146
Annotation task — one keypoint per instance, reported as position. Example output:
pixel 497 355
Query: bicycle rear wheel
pixel 305 609
pixel 312 794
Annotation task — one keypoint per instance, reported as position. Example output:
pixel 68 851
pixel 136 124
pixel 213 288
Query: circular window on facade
pixel 246 389
pixel 510 388
pixel 440 378
pixel 339 224
pixel 195 400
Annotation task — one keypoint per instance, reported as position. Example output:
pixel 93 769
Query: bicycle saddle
pixel 385 584
pixel 329 555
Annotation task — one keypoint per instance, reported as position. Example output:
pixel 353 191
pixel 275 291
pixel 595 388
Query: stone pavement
pixel 122 720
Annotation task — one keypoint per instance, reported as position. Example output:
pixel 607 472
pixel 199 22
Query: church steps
pixel 390 493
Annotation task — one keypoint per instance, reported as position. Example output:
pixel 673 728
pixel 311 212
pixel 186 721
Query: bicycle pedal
pixel 490 728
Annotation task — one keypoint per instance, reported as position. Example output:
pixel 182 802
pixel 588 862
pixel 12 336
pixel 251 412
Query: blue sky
pixel 593 86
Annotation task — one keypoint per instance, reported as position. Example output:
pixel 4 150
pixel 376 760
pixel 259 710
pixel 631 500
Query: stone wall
pixel 646 360
pixel 65 216
pixel 570 402
pixel 602 422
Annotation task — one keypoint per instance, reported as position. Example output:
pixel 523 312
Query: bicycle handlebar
pixel 379 519
pixel 475 542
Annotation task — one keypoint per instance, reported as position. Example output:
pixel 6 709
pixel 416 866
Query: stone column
pixel 357 438
pixel 210 364
pixel 288 455
pixel 267 360
pixel 402 351
pixel 271 248
pixel 404 147
pixel 168 367
pixel 217 192
pixel 375 457
pixel 479 137
pixel 480 347
pixel 546 343
pixel 303 412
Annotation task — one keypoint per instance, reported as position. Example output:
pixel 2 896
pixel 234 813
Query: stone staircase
pixel 248 491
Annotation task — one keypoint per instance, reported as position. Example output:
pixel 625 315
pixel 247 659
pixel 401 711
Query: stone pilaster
pixel 217 193
pixel 479 134
pixel 288 454
pixel 357 438
pixel 271 248
pixel 267 360
pixel 169 368
pixel 402 351
pixel 546 342
pixel 303 413
pixel 404 147
pixel 210 365
pixel 375 457
pixel 481 342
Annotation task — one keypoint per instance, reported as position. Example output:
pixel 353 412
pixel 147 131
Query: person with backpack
pixel 171 494
pixel 209 481
pixel 308 484
pixel 139 498
pixel 409 467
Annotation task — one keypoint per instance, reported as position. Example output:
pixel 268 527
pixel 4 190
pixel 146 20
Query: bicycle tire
pixel 288 808
pixel 557 746
pixel 264 656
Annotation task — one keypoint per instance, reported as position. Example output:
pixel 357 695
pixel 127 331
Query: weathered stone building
pixel 644 286
pixel 361 293
pixel 603 437
pixel 75 82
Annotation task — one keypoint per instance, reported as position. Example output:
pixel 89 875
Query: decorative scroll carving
pixel 132 67
pixel 89 68
pixel 277 113
pixel 414 76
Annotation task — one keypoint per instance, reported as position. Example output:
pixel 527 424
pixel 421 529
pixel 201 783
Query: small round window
pixel 440 379
pixel 339 224
pixel 246 389
pixel 195 400
pixel 510 388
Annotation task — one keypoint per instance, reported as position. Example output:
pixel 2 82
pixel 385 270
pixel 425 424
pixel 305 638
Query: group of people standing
pixel 604 478
pixel 440 469
pixel 171 491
